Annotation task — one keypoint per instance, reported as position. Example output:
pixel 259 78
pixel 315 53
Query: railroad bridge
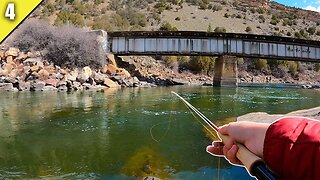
pixel 226 46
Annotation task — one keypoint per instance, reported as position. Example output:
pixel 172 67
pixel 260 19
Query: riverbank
pixel 20 71
pixel 28 71
pixel 313 113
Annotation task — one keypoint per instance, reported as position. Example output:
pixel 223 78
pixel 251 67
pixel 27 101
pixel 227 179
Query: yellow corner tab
pixel 12 13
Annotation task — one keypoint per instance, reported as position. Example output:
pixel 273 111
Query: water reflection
pixel 91 135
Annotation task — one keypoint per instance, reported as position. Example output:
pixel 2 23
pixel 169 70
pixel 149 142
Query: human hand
pixel 250 134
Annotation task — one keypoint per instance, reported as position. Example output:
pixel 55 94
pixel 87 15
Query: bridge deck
pixel 212 44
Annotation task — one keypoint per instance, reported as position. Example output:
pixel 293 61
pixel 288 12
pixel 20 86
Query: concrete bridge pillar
pixel 225 71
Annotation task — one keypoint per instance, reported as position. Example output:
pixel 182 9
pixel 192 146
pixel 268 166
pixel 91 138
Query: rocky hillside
pixel 244 16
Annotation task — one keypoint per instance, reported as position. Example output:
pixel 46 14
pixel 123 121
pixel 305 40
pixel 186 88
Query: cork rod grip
pixel 247 158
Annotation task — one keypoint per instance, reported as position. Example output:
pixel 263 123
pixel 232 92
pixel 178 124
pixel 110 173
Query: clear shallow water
pixel 106 135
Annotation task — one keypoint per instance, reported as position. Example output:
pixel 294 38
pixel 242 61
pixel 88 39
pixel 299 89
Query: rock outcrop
pixel 262 117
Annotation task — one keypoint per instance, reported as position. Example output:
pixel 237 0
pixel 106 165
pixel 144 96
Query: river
pixel 127 133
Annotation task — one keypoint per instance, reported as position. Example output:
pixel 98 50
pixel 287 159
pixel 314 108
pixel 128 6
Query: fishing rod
pixel 254 164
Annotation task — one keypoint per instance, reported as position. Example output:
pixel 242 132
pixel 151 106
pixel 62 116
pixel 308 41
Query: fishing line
pixel 168 127
pixel 205 126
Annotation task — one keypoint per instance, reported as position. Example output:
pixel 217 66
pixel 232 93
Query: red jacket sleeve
pixel 292 148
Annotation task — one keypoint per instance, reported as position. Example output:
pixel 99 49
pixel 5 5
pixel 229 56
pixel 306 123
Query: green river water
pixel 106 135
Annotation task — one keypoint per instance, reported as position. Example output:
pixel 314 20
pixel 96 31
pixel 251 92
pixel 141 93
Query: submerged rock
pixel 111 84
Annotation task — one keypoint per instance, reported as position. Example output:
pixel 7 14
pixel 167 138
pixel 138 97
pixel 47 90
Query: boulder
pixel 7 68
pixel 37 86
pixel 87 86
pixel 91 81
pixel 176 81
pixel 82 77
pixel 43 74
pixel 49 88
pixel 14 73
pixel 24 86
pixel 76 86
pixel 22 56
pixel 2 54
pixel 63 88
pixel 63 72
pixel 87 71
pixel 99 78
pixel 111 59
pixel 72 76
pixel 9 60
pixel 6 86
pixel 111 84
pixel 12 52
pixel 123 72
pixel 26 69
pixel 51 69
pixel 32 76
pixel 11 80
pixel 32 61
pixel 35 68
pixel 62 83
pixel 51 82
pixel 109 69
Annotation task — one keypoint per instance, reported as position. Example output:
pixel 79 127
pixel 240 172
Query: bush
pixel 64 46
pixel 217 8
pixel 262 18
pixel 202 64
pixel 171 62
pixel 317 67
pixel 311 30
pixel 177 19
pixel 248 29
pixel 166 26
pixel 293 67
pixel 220 30
pixel 262 64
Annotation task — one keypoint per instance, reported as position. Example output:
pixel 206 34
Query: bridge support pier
pixel 225 71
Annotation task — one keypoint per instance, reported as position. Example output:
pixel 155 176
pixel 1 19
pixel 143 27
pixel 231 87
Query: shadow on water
pixel 106 135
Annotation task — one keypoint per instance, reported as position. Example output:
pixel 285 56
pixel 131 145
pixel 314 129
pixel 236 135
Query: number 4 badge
pixel 13 13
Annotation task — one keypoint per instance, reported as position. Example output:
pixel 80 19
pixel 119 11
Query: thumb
pixel 224 130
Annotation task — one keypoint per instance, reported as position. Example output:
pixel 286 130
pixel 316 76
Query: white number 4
pixel 10 11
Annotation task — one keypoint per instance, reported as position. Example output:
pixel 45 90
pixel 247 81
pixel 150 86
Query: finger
pixel 224 129
pixel 216 151
pixel 228 146
pixel 217 143
pixel 231 155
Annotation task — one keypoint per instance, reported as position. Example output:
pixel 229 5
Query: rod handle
pixel 247 158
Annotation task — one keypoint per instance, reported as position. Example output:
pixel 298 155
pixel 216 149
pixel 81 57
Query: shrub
pixel 226 15
pixel 318 33
pixel 220 30
pixel 289 33
pixel 171 62
pixel 293 67
pixel 297 35
pixel 177 19
pixel 216 8
pixel 166 26
pixel 248 29
pixel 262 18
pixel 262 64
pixel 202 64
pixel 311 30
pixel 317 67
pixel 64 46
pixel 273 22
